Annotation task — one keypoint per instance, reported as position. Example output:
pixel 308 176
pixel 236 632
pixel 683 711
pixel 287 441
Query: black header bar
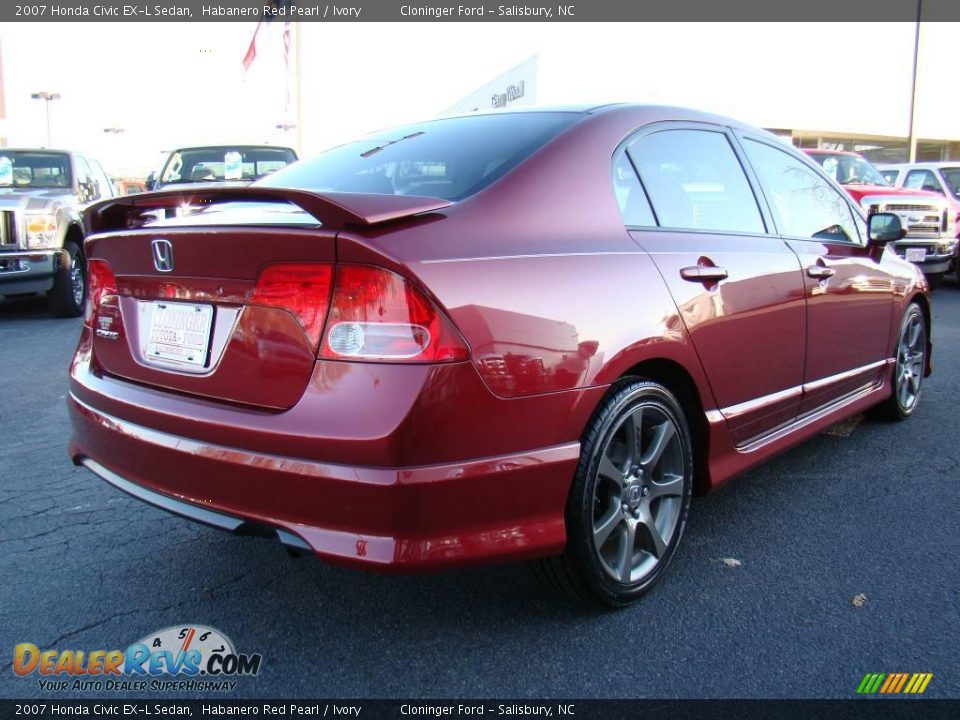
pixel 478 10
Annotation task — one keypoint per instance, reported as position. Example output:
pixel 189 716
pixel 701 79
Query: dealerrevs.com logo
pixel 180 658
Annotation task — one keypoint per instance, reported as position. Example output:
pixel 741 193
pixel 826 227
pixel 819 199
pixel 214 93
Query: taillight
pixel 377 315
pixel 100 283
pixel 303 289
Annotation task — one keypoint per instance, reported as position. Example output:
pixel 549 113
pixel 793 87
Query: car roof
pixel 638 112
pixel 40 150
pixel 258 146
pixel 818 151
pixel 920 165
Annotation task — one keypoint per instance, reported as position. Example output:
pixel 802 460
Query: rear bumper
pixel 411 517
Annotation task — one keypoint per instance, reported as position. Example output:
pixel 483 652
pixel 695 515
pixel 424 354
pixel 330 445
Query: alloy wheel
pixel 910 361
pixel 638 493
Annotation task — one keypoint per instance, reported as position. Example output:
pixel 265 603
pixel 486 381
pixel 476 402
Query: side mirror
pixel 151 182
pixel 884 228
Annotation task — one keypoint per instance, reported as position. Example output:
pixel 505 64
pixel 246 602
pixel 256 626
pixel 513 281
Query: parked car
pixel 493 337
pixel 42 196
pixel 941 178
pixel 230 164
pixel 931 223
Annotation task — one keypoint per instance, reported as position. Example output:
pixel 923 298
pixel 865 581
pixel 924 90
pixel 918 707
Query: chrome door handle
pixel 820 272
pixel 703 273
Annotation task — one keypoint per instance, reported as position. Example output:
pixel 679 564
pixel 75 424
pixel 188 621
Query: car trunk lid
pixel 230 313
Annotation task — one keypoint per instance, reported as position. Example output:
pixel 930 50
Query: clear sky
pixel 170 84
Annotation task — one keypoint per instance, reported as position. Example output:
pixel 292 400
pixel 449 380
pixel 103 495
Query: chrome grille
pixel 8 228
pixel 903 207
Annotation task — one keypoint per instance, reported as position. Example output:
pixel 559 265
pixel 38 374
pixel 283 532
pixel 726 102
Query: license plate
pixel 916 254
pixel 179 332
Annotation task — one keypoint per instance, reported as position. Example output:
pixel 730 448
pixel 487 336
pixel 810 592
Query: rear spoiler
pixel 333 209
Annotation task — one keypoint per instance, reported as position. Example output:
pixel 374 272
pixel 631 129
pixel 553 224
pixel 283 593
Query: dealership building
pixel 829 85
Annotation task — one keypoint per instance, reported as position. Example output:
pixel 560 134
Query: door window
pixel 804 204
pixel 890 176
pixel 86 182
pixel 105 185
pixel 695 181
pixel 922 180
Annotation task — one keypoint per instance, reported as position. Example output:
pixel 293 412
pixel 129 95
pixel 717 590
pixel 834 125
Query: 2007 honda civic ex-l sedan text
pixel 524 335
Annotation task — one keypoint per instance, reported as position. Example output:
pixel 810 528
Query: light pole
pixel 47 97
pixel 912 149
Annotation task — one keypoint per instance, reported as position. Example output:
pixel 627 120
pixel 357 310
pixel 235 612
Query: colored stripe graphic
pixel 894 683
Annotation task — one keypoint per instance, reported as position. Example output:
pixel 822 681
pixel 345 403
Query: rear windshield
pixel 226 163
pixel 450 159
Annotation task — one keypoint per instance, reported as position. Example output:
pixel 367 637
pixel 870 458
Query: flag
pixel 278 8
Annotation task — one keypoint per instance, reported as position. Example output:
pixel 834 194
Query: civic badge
pixel 162 255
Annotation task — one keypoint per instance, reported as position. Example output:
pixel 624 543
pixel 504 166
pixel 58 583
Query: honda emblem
pixel 162 255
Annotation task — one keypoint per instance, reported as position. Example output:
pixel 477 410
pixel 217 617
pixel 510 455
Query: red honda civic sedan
pixel 521 335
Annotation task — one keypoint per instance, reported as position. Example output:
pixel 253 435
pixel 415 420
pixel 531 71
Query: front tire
pixel 629 498
pixel 69 291
pixel 909 369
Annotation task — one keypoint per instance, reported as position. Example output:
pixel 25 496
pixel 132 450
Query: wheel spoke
pixel 632 426
pixel 903 392
pixel 913 384
pixel 661 439
pixel 670 486
pixel 606 525
pixel 609 469
pixel 913 334
pixel 628 537
pixel 655 544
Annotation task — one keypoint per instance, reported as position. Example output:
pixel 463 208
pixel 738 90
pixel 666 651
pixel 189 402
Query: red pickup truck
pixel 931 241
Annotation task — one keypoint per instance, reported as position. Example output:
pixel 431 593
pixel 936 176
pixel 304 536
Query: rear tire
pixel 935 281
pixel 629 498
pixel 69 292
pixel 909 368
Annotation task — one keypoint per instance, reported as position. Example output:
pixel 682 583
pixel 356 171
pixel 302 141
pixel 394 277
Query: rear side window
pixel 450 159
pixel 695 181
pixel 631 198
pixel 804 204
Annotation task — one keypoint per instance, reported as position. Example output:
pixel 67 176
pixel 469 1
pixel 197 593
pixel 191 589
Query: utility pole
pixel 47 97
pixel 913 94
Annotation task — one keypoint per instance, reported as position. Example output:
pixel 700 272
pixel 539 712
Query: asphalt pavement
pixel 867 509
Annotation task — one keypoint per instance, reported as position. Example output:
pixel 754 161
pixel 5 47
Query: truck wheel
pixel 69 291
